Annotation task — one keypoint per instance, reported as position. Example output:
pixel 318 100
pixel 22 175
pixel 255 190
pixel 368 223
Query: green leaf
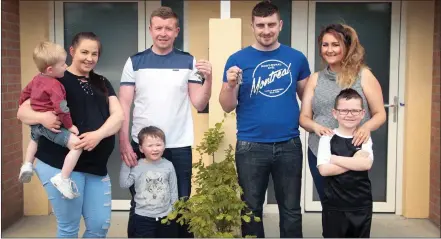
pixel 248 236
pixel 173 215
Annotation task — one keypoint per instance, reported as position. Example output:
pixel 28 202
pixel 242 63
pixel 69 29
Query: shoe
pixel 26 173
pixel 65 186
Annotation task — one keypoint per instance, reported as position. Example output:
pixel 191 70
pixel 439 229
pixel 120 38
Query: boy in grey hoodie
pixel 155 184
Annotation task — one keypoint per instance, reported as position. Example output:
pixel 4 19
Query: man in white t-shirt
pixel 162 81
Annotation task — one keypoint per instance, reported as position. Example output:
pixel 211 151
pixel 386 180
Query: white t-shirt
pixel 324 149
pixel 161 94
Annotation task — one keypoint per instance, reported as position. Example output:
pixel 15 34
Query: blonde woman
pixel 343 54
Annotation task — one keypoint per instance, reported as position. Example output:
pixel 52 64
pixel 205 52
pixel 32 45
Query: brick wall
pixel 12 190
pixel 435 140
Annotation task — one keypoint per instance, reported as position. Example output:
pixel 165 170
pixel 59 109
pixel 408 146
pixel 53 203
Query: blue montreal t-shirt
pixel 267 109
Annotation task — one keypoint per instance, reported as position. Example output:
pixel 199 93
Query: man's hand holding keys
pixel 234 77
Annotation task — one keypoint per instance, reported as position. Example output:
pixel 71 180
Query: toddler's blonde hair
pixel 48 54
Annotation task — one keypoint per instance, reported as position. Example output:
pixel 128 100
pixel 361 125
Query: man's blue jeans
pixel 181 158
pixel 284 161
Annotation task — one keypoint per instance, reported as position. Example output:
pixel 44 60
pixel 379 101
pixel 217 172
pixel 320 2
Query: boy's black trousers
pixel 146 227
pixel 353 224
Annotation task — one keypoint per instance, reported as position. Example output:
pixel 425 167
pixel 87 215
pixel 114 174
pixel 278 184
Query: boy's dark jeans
pixel 284 161
pixel 182 162
pixel 146 227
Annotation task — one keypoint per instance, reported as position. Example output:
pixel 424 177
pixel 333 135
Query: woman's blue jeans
pixel 94 202
pixel 316 177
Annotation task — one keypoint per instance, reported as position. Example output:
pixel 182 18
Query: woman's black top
pixel 89 109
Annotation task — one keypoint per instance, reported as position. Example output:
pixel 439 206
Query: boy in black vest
pixel 347 202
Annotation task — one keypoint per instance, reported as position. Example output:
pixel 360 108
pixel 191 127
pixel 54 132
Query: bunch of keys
pixel 239 78
pixel 200 75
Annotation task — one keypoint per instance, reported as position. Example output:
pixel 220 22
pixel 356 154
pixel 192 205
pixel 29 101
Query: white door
pixel 378 28
pixel 122 29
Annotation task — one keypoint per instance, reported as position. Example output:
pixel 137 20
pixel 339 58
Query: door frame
pixel 303 39
pixel 56 34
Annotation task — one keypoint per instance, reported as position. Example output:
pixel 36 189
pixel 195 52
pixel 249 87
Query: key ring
pixel 200 76
pixel 239 78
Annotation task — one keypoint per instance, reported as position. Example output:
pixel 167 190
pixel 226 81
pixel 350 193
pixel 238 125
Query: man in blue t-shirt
pixel 261 82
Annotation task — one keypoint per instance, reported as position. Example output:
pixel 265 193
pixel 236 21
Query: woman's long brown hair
pixel 353 53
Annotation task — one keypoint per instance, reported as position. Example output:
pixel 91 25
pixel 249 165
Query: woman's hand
pixel 89 140
pixel 28 116
pixel 322 130
pixel 361 135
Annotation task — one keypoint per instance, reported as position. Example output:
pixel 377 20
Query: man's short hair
pixel 151 131
pixel 265 9
pixel 164 13
pixel 348 94
pixel 48 54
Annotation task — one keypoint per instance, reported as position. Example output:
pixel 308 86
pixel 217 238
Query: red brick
pixel 434 207
pixel 435 115
pixel 12 17
pixel 8 130
pixel 10 6
pixel 11 61
pixel 10 71
pixel 12 190
pixel 14 87
pixel 8 26
pixel 435 98
pixel 13 53
pixel 11 96
pixel 435 147
pixel 11 78
pixel 435 90
pixel 9 105
pixel 11 139
pixel 17 147
pixel 435 106
pixel 10 183
pixel 436 71
pixel 11 44
pixel 9 174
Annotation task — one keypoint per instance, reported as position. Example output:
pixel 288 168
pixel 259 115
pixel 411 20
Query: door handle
pixel 395 108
